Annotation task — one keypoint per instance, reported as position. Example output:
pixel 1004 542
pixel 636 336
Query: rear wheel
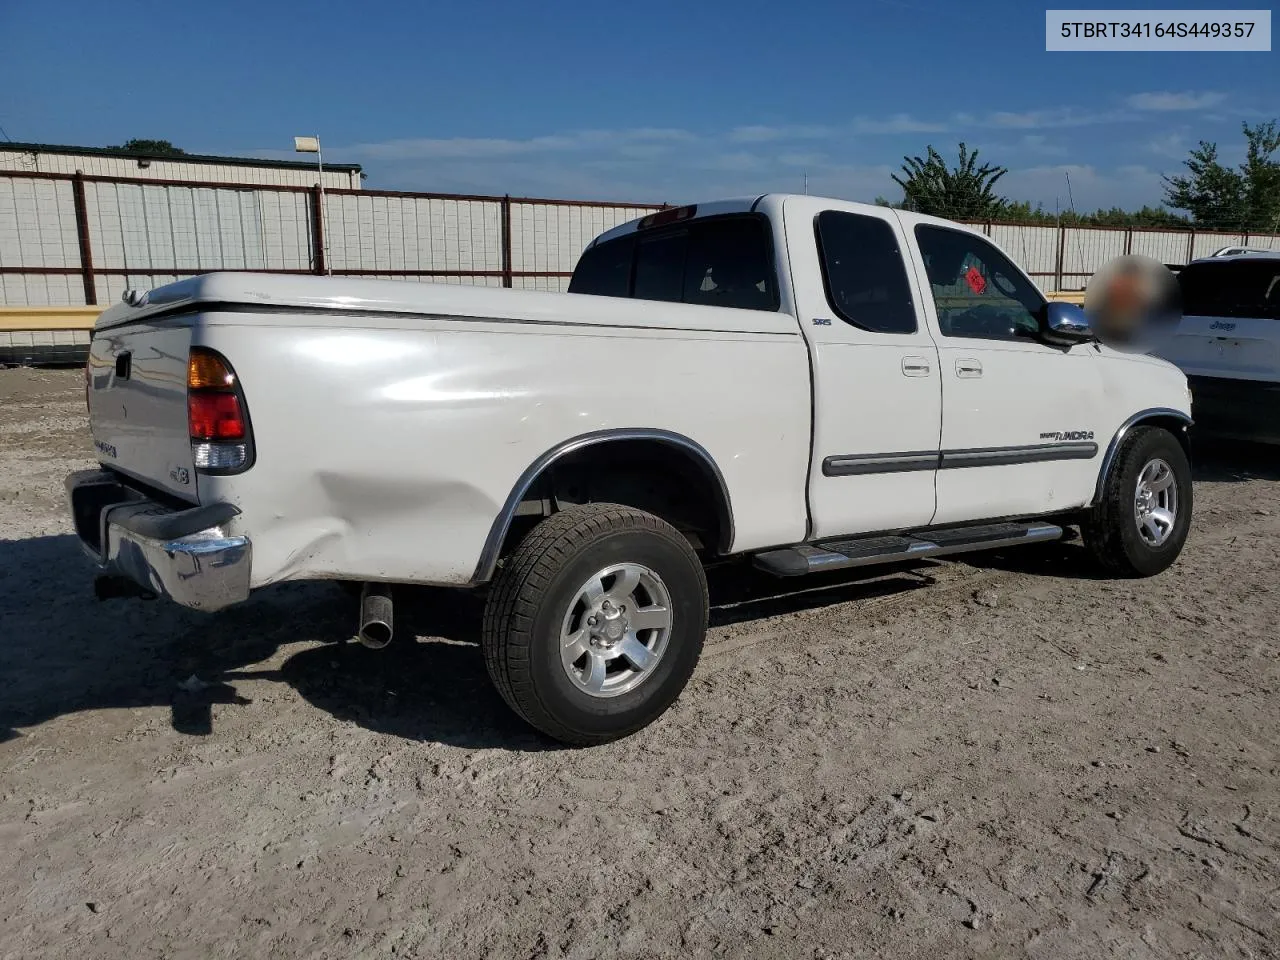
pixel 596 622
pixel 1140 522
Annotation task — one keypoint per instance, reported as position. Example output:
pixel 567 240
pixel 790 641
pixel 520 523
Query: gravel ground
pixel 997 757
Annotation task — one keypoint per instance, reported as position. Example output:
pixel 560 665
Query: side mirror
pixel 1066 322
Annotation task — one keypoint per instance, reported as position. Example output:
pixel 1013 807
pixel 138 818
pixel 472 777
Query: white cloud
pixel 1130 186
pixel 480 148
pixel 766 134
pixel 1172 145
pixel 1165 100
pixel 802 159
pixel 651 164
pixel 898 123
pixel 1048 118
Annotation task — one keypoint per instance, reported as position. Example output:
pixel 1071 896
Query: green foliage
pixel 1022 212
pixel 1219 197
pixel 150 148
pixel 965 192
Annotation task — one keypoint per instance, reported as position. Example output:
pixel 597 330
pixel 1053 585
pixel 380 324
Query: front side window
pixel 976 290
pixel 862 269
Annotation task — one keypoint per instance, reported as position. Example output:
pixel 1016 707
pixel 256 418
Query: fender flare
pixel 502 522
pixel 1136 420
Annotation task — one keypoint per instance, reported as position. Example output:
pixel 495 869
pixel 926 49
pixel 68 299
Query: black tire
pixel 536 587
pixel 1111 530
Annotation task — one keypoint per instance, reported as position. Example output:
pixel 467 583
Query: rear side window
pixel 660 267
pixel 720 261
pixel 1238 288
pixel 862 269
pixel 605 269
pixel 729 265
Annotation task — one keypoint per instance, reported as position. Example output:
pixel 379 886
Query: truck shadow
pixel 1230 461
pixel 430 683
pixel 62 651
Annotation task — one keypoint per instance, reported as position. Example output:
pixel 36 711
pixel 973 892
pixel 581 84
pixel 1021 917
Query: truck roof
pixel 751 203
pixel 1232 257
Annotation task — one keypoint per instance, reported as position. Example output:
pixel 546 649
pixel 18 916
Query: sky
pixel 653 102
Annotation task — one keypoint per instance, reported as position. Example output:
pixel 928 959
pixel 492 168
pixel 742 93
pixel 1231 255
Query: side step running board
pixel 865 551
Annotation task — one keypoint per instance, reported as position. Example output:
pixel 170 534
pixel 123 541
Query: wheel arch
pixel 1175 421
pixel 693 453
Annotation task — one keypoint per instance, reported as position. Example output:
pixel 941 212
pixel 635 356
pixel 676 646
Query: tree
pixel 1221 198
pixel 151 148
pixel 929 186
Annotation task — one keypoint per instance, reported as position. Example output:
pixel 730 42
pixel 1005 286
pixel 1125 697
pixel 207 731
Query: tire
pixel 1119 540
pixel 538 600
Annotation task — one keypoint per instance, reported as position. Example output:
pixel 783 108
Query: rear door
pixel 876 386
pixel 138 403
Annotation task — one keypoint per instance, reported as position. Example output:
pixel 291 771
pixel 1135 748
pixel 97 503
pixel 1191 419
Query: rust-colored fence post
pixel 506 240
pixel 82 233
pixel 1062 248
pixel 1128 241
pixel 1191 246
pixel 317 231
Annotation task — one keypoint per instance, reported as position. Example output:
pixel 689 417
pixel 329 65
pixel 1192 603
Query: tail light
pixel 216 416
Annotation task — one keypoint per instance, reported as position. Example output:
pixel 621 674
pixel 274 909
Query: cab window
pixel 724 261
pixel 976 290
pixel 863 272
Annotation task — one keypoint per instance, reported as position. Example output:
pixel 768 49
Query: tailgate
pixel 138 403
pixel 1241 348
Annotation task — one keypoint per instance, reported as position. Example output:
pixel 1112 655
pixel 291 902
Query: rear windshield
pixel 720 261
pixel 1233 288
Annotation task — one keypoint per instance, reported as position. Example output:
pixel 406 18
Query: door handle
pixel 968 368
pixel 915 367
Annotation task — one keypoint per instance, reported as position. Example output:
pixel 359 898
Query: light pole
pixel 312 145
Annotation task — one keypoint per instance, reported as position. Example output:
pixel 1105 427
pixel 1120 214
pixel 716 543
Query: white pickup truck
pixel 808 383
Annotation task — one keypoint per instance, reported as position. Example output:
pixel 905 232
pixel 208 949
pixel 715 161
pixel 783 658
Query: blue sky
pixel 645 101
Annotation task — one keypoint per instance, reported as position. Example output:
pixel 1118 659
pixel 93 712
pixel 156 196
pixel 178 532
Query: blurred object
pixel 1131 301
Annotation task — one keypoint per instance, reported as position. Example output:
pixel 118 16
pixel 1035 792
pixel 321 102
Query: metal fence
pixel 84 239
pixel 77 239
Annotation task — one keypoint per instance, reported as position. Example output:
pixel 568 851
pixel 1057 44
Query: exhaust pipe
pixel 376 621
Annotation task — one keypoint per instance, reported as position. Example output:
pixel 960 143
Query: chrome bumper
pixel 184 555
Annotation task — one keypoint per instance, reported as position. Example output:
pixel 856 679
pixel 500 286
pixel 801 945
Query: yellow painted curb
pixel 48 318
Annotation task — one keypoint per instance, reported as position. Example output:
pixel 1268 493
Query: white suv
pixel 1228 344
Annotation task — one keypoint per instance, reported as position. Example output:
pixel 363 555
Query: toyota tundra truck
pixel 801 383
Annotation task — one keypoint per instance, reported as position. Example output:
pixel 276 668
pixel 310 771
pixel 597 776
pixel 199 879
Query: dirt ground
pixel 996 757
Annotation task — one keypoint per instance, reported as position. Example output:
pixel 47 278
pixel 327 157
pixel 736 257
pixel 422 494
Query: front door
pixel 876 382
pixel 1021 424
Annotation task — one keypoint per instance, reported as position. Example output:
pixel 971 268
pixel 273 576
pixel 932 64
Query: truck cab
pixel 940 393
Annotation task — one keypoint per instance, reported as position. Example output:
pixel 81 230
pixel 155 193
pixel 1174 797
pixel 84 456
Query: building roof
pixel 9 145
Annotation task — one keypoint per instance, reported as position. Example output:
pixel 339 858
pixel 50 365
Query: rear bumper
pixel 1236 409
pixel 182 554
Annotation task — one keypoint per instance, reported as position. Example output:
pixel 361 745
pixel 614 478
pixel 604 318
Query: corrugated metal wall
pixel 97 165
pixel 141 234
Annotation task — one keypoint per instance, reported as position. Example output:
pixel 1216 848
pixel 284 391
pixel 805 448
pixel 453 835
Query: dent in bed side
pixel 502 523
